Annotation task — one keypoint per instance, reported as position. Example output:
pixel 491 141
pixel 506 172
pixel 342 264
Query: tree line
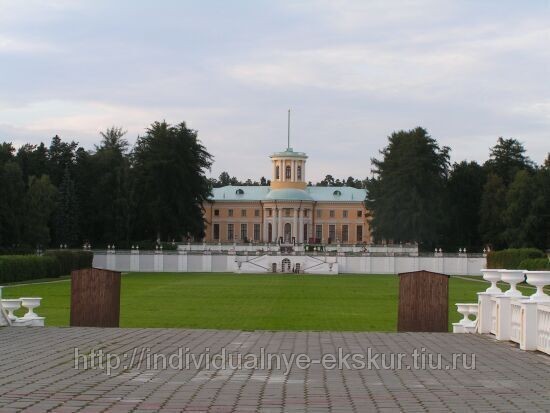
pixel 117 194
pixel 417 195
pixel 113 194
pixel 225 179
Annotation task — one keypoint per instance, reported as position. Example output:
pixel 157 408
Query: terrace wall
pixel 210 261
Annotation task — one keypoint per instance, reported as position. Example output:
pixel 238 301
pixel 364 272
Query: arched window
pixel 239 191
pixel 287 172
pixel 277 172
pixel 299 173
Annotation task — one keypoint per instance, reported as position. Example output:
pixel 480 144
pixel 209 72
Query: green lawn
pixel 250 302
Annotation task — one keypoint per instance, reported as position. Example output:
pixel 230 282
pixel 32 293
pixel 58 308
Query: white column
pixel 275 226
pixel 280 232
pixel 274 175
pixel 293 170
pixel 295 225
pixel 265 233
pixel 303 171
pixel 301 226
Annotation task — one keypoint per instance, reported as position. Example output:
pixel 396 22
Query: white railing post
pixel 134 260
pixel 503 317
pixel 485 316
pixel 528 337
pixel 182 261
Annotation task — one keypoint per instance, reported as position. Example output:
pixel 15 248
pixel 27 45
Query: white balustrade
pixel 543 328
pixel 511 316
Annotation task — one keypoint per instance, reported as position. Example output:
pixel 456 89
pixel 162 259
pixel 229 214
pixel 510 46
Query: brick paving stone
pixel 37 373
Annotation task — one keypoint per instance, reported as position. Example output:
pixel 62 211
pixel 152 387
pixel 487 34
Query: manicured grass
pixel 250 302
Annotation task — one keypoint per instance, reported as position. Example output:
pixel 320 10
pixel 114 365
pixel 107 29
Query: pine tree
pixel 66 220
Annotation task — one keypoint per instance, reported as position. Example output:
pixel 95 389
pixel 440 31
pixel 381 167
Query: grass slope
pixel 250 302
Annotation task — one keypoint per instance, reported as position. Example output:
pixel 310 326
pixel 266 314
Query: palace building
pixel 287 211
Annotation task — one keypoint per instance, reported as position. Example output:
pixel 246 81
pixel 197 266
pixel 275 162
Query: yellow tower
pixel 289 169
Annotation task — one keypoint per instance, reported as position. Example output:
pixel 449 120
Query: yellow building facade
pixel 287 211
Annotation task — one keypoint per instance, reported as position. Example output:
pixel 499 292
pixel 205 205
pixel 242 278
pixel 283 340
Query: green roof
pixel 289 153
pixel 311 193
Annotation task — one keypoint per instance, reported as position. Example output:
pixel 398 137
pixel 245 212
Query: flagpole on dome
pixel 288 135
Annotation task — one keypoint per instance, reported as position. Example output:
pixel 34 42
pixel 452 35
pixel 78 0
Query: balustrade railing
pixel 543 328
pixel 521 319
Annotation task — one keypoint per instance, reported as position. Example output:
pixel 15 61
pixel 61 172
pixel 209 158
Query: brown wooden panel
pixel 95 298
pixel 423 302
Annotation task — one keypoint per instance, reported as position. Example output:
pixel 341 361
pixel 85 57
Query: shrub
pixel 534 264
pixel 69 260
pixel 14 268
pixel 511 258
pixel 26 267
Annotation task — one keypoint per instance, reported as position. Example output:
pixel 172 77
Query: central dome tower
pixel 289 170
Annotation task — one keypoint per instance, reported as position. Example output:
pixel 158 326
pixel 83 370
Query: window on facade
pixel 277 172
pixel 319 213
pixel 216 212
pixel 269 212
pixel 256 212
pixel 359 213
pixel 243 212
pixel 216 231
pixel 244 232
pixel 256 232
pixel 318 232
pixel 287 172
pixel 299 173
pixel 306 212
pixel 331 233
pixel 344 213
pixel 230 232
pixel 287 212
pixel 230 212
pixel 359 233
pixel 331 213
pixel 345 235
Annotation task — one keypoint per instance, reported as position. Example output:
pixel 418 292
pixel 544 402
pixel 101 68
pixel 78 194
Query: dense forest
pixel 154 191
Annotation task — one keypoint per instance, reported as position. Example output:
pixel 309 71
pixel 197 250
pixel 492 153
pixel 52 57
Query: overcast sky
pixel 351 72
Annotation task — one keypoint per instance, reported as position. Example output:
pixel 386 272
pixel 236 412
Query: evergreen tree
pixel 66 220
pixel 12 197
pixel 508 157
pixel 464 191
pixel 491 224
pixel 39 206
pixel 406 197
pixel 61 156
pixel 170 182
pixel 527 214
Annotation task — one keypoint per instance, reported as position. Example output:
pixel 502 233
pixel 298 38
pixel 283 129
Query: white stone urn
pixel 11 305
pixel 30 303
pixel 539 279
pixel 512 277
pixel 493 276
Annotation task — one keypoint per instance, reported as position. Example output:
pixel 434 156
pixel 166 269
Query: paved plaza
pixel 37 372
